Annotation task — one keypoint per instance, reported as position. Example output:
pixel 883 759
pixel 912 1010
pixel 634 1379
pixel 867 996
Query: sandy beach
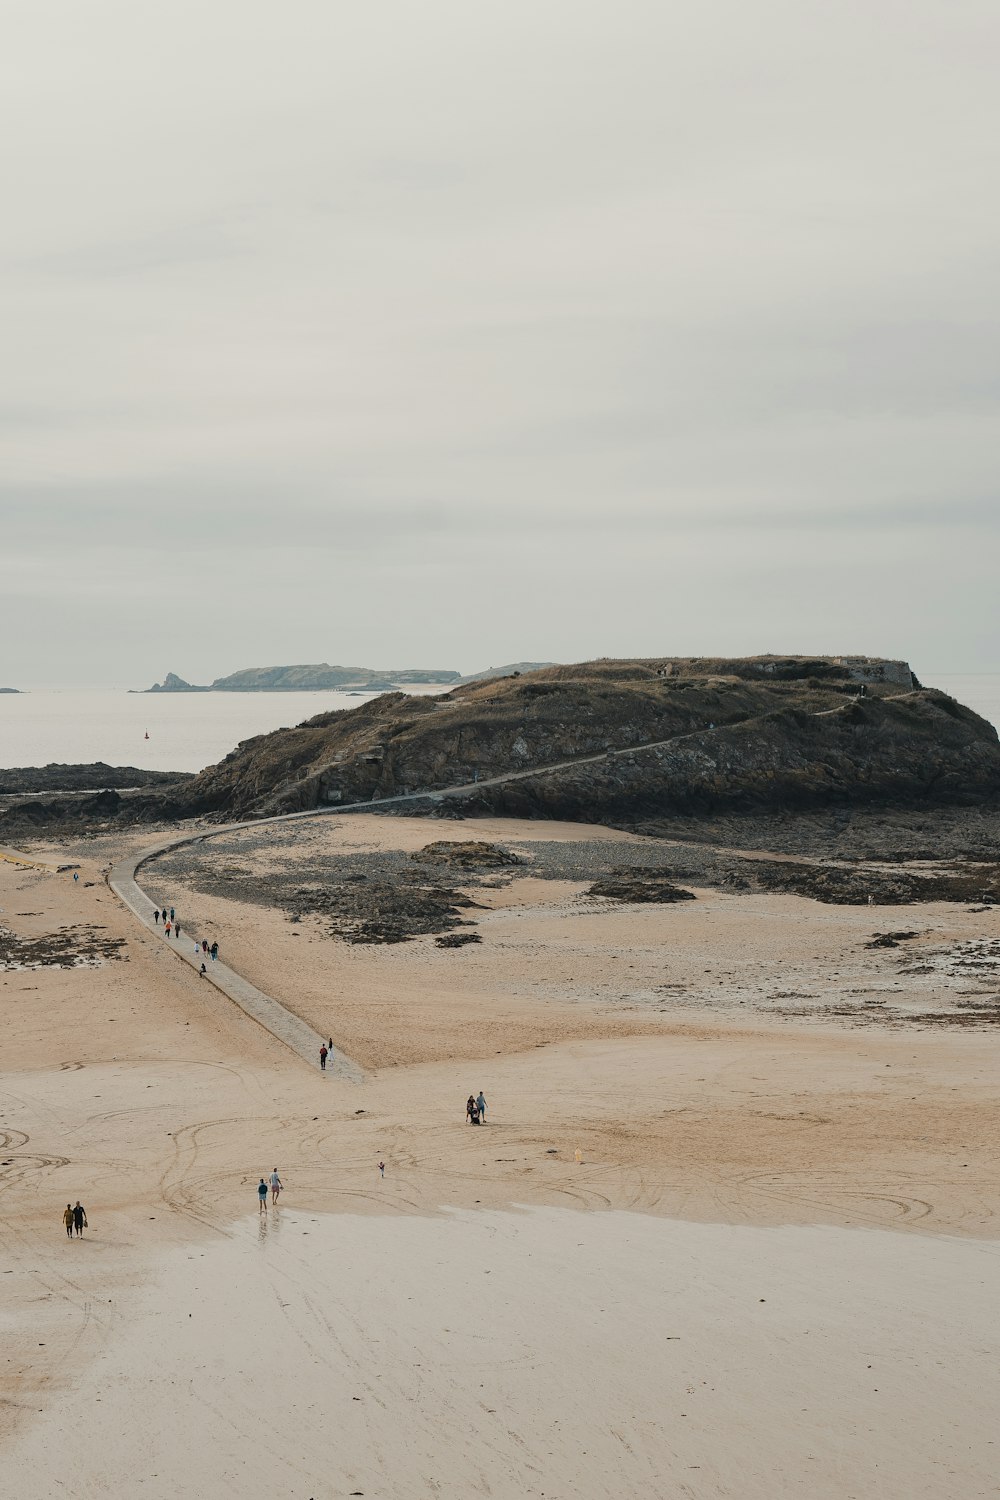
pixel 740 1136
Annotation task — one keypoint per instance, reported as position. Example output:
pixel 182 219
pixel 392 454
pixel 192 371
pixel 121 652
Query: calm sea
pixel 186 730
pixel 190 730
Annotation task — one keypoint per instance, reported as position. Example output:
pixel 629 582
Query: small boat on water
pixel 146 736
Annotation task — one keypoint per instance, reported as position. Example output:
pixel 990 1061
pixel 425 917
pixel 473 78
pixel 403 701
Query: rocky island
pixel 319 677
pixel 632 744
pixel 626 741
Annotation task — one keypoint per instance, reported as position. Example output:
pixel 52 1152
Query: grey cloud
pixel 637 317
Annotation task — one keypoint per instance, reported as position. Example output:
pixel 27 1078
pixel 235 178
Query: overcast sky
pixel 453 333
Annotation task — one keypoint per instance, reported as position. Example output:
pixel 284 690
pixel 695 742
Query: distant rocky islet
pixel 321 677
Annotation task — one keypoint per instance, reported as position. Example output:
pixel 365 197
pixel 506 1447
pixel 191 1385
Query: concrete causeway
pixel 282 1023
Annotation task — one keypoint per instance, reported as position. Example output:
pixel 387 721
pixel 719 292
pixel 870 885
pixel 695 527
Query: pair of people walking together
pixel 75 1218
pixel 274 1184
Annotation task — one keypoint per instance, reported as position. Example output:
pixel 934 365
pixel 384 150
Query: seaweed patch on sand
pixel 66 948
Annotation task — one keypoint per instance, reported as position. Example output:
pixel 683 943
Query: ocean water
pixel 978 690
pixel 190 730
pixel 187 731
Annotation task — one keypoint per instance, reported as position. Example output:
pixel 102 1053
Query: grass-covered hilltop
pixel 698 735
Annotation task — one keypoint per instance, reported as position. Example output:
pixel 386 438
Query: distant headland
pixel 10 690
pixel 308 679
pixel 322 677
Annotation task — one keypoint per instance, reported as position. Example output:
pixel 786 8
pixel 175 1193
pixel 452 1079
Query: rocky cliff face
pixel 919 747
pixel 704 735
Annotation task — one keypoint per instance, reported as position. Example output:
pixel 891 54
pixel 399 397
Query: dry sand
pixel 140 1090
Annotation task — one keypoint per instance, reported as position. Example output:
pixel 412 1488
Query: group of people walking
pixel 172 928
pixel 75 1216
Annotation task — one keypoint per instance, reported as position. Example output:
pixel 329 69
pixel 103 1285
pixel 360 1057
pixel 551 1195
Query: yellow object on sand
pixel 15 857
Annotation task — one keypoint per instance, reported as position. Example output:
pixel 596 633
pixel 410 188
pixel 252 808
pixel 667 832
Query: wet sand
pixel 542 1353
pixel 140 1090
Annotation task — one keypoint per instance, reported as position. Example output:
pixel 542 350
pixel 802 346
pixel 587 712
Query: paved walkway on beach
pixel 282 1023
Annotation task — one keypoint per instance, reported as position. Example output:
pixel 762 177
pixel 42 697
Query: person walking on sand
pixel 381 1167
pixel 177 929
pixel 481 1102
pixel 68 1220
pixel 276 1185
pixel 472 1110
pixel 204 945
pixel 171 914
pixel 323 1055
pixel 79 1219
pixel 214 950
pixel 262 1196
pixel 156 916
pixel 166 928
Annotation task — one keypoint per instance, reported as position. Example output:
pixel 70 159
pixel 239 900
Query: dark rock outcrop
pixel 383 911
pixel 90 778
pixel 66 948
pixel 647 886
pixel 469 854
pixel 840 885
pixel 174 684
